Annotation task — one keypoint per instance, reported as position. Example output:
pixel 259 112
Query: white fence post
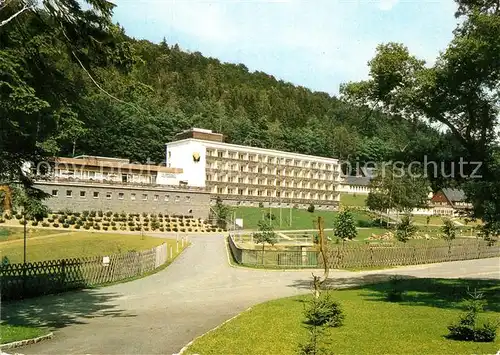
pixel 171 254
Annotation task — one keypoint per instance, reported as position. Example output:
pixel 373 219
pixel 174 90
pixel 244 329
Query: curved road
pixel 161 313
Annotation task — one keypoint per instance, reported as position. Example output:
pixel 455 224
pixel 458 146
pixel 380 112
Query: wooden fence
pixel 360 255
pixel 45 277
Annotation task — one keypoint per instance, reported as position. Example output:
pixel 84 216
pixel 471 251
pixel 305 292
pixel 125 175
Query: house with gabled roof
pixel 449 202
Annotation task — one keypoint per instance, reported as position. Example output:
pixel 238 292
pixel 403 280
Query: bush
pixel 77 226
pixel 396 292
pixel 310 208
pixel 261 205
pixel 45 224
pixel 109 214
pixel 324 311
pixel 97 227
pixel 87 226
pixel 92 213
pixel 114 228
pixel 168 229
pixel 56 225
pixel 2 220
pixel 7 216
pixel 271 216
pixel 144 214
pixel 34 223
pixel 162 229
pixel 100 213
pixel 175 229
pixel 146 229
pixel 183 229
pixel 105 228
pixel 113 224
pixel 85 213
pixel 467 329
pixel 66 225
pixel 19 216
pixel 77 214
pixel 21 221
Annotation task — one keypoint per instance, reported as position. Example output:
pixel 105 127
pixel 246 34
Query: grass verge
pixel 417 325
pixel 11 333
pixel 81 244
pixel 16 233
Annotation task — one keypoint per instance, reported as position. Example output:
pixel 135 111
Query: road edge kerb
pixel 211 330
pixel 20 343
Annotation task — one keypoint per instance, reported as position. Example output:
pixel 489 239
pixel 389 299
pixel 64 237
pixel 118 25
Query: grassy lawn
pixel 10 333
pixel 80 244
pixel 12 233
pixel 417 325
pixel 353 200
pixel 420 219
pixel 301 219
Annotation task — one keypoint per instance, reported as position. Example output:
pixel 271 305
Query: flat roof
pixel 254 149
pixel 120 164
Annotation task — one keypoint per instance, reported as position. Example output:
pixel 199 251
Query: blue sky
pixel 318 44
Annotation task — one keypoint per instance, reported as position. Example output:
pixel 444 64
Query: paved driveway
pixel 161 313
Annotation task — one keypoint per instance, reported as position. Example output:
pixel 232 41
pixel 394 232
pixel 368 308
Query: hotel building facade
pixel 250 176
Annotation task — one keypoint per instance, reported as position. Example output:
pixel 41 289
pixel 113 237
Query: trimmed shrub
pixel 114 228
pixel 311 208
pixel 34 223
pixel 45 224
pixel 87 226
pixel 109 214
pixel 85 213
pixel 56 225
pixel 7 216
pixel 92 213
pixel 100 213
pixel 162 229
pixel 2 220
pixel 21 221
pixel 105 228
pixel 50 220
pixel 146 229
pixel 77 226
pixel 113 224
pixel 66 225
pixel 324 311
pixel 19 216
pixel 97 227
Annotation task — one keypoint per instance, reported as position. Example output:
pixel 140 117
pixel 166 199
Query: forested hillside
pixel 174 90
pixel 117 96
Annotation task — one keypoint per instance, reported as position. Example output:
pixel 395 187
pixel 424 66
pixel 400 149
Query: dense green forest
pixel 130 97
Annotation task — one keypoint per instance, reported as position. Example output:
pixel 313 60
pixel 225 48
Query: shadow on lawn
pixel 442 293
pixel 61 310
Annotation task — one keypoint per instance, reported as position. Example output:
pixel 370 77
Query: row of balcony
pixel 271 175
pixel 333 167
pixel 273 188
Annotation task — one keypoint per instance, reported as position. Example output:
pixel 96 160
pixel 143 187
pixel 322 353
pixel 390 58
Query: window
pixel 109 195
pixel 144 197
pixel 242 168
pixel 209 177
pixel 156 198
pixel 240 191
pixel 177 198
pixel 82 193
pixel 220 190
pixel 167 197
pixel 69 193
pixel 120 195
pixel 55 193
pixel 132 196
pixel 188 198
pixel 96 194
pixel 91 174
pixel 259 193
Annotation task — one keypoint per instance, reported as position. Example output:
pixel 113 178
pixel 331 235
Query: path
pixel 161 313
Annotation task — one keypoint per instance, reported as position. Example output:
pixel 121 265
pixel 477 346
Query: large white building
pixel 246 175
